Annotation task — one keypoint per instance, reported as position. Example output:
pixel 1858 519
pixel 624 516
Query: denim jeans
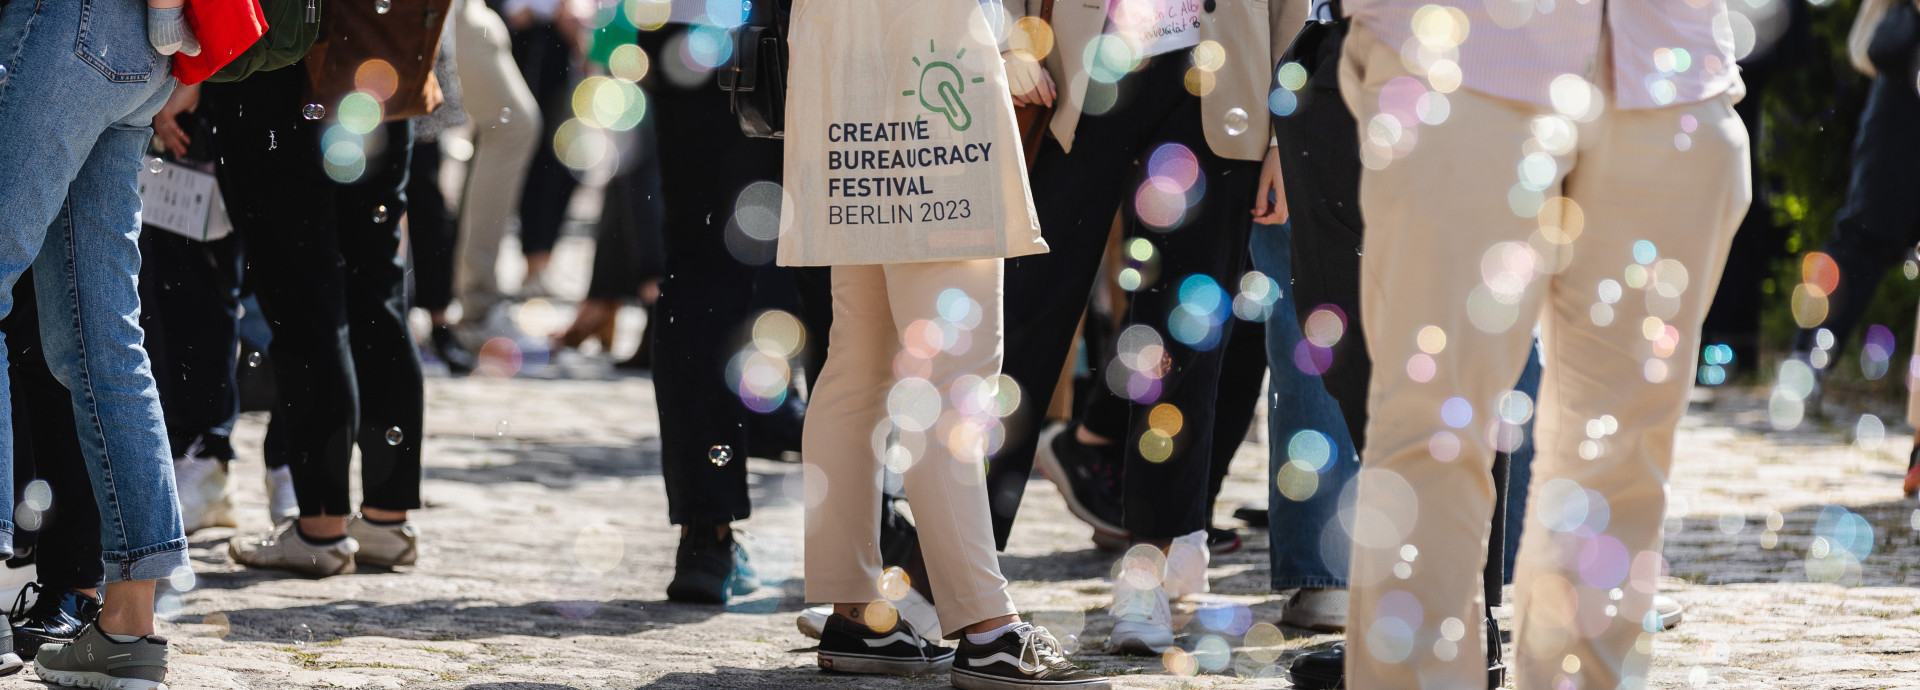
pixel 77 100
pixel 1308 477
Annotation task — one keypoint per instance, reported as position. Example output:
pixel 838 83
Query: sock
pixel 994 634
pixel 167 30
pixel 329 541
pixel 383 523
pixel 122 639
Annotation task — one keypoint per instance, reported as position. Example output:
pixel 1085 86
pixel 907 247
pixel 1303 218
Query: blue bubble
pixel 1644 252
pixel 1456 412
pixel 1282 102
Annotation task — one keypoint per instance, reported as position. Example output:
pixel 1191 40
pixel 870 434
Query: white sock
pixel 122 639
pixel 994 634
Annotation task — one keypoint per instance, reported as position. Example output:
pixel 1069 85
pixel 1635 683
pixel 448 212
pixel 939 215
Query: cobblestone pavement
pixel 546 550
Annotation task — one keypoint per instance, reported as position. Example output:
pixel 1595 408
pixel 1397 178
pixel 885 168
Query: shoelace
pixel 19 608
pixel 1037 644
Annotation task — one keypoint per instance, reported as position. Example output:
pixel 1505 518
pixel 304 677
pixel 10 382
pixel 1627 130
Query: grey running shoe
pixel 93 661
pixel 284 549
pixel 384 545
pixel 10 662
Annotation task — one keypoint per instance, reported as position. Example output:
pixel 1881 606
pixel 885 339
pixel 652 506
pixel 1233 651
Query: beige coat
pixel 1253 32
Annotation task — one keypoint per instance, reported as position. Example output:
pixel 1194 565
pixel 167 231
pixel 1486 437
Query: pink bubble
pixel 1603 562
pixel 1311 359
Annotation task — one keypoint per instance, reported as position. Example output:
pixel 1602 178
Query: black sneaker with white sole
pixel 1025 657
pixel 849 647
pixel 1089 478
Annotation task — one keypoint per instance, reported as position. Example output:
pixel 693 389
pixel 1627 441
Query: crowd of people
pixel 1521 214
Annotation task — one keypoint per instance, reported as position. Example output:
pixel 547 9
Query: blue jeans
pixel 77 99
pixel 1311 461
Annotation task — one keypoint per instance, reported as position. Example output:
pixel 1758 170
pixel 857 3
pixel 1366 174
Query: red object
pixel 225 29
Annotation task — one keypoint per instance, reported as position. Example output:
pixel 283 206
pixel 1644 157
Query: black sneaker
pixel 1089 477
pixel 1254 515
pixel 447 347
pixel 1025 657
pixel 1221 541
pixel 55 618
pixel 708 569
pixel 849 647
pixel 1327 670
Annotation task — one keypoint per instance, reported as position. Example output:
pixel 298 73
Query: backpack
pixel 291 27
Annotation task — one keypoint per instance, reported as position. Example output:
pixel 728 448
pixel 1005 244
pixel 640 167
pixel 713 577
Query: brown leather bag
pixel 405 37
pixel 1034 119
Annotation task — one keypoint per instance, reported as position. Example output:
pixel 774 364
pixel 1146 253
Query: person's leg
pixel 1311 458
pixel 1879 220
pixel 89 302
pixel 1241 372
pixel 1520 470
pixel 506 130
pixel 1670 214
pixel 431 233
pixel 842 468
pixel 1426 495
pixel 283 206
pixel 1076 194
pixel 547 63
pixel 188 311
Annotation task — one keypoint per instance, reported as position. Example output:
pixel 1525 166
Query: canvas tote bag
pixel 900 139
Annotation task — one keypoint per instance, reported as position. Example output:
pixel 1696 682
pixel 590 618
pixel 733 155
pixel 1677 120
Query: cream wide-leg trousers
pixel 1606 227
pixel 912 378
pixel 506 127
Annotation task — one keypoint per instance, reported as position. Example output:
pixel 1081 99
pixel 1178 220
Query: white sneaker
pixel 1316 608
pixel 384 546
pixel 204 491
pixel 814 620
pixel 285 549
pixel 1669 610
pixel 1142 621
pixel 283 506
pixel 914 607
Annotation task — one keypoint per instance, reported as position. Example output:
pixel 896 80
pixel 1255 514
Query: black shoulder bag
pixel 756 81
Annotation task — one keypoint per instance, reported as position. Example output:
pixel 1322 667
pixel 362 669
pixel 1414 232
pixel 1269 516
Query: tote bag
pixel 900 139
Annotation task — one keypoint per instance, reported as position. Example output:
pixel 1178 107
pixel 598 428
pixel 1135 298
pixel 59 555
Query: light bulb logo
pixel 941 86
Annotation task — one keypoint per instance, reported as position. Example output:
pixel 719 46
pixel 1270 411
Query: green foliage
pixel 1812 110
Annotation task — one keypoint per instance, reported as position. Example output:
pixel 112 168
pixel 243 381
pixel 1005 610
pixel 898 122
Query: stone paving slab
pixel 546 550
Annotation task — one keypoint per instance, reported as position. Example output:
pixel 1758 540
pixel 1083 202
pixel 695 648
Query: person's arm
pixel 167 28
pixel 1027 77
pixel 166 128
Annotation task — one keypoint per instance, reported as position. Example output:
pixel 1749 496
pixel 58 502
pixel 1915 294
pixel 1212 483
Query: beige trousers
pixel 1461 260
pixel 879 396
pixel 490 86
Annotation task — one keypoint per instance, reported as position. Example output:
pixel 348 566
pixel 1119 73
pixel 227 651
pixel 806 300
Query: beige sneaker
pixel 385 546
pixel 285 550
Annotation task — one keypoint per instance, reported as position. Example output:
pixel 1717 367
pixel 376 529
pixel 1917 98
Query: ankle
pixel 991 624
pixel 1088 438
pixel 383 515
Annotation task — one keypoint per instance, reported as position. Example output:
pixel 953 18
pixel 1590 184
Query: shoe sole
pixel 968 680
pixel 100 681
pixel 1051 468
pixel 840 662
pixel 315 574
pixel 1669 622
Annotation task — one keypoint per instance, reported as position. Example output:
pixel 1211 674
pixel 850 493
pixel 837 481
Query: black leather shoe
pixel 1327 670
pixel 55 618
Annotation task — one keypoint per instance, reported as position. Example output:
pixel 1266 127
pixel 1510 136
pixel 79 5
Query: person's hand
pixel 166 128
pixel 1270 212
pixel 1027 79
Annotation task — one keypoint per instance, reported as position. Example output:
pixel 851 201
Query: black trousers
pixel 1076 194
pixel 1241 374
pixel 547 64
pixel 628 248
pixel 189 308
pixel 66 539
pixel 433 231
pixel 714 276
pixel 1880 222
pixel 323 259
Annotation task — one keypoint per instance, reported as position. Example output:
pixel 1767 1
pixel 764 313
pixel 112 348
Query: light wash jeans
pixel 77 97
pixel 1309 547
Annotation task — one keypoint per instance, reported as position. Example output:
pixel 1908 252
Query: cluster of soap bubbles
pixel 761 373
pixel 1174 185
pixel 1842 539
pixel 1819 277
pixel 964 419
pixel 1199 320
pixel 346 143
pixel 1323 328
pixel 30 513
pixel 1144 361
pixel 1714 361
